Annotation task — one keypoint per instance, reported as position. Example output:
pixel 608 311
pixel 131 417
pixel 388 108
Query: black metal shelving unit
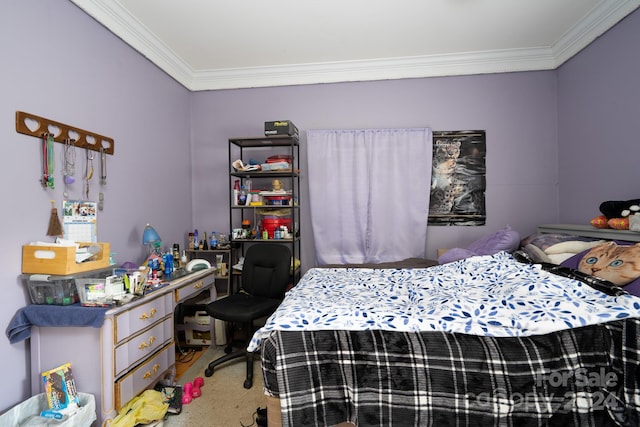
pixel 259 148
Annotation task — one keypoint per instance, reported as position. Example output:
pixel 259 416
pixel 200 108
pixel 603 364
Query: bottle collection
pixel 247 233
pixel 204 242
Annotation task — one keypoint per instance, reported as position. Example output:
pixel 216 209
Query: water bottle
pixel 168 263
pixel 213 240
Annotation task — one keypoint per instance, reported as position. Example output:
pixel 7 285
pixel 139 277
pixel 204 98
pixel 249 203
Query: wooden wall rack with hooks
pixel 30 124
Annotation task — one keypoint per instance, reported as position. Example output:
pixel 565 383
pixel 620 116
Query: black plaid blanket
pixel 586 376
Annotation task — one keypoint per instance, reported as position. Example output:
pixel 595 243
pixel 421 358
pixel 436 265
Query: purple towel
pixel 52 315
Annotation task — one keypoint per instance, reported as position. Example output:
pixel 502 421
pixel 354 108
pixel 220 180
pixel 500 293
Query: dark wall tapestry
pixel 458 178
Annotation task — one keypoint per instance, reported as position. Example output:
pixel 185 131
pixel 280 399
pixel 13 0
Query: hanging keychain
pixel 103 176
pixel 89 171
pixel 103 166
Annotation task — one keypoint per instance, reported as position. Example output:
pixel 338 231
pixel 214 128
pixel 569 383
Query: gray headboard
pixel 590 231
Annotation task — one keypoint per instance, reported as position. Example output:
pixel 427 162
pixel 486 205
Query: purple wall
pixel 170 163
pixel 58 63
pixel 598 102
pixel 517 110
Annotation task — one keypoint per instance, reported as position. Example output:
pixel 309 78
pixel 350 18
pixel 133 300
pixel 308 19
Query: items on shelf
pixel 214 240
pixel 281 127
pixel 64 257
pixel 270 210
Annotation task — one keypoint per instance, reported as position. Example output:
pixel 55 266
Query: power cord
pixel 259 418
pixel 253 420
pixel 185 355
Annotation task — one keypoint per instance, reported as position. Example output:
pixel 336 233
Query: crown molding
pixel 605 15
pixel 117 19
pixel 378 69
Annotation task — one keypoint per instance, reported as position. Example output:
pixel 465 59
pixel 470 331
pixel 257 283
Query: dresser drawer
pixel 191 288
pixel 130 322
pixel 144 376
pixel 143 345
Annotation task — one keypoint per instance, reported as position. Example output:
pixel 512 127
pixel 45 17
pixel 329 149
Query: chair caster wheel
pixel 208 372
pixel 248 383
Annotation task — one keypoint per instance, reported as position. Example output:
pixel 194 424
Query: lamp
pixel 151 238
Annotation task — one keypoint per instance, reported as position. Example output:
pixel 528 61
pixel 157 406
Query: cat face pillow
pixel 616 263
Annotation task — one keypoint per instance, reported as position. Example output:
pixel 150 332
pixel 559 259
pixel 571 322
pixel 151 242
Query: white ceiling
pixel 225 44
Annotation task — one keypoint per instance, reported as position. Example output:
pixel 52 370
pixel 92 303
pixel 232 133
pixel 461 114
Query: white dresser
pixel 131 352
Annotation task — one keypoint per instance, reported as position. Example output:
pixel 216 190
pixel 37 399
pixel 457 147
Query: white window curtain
pixel 369 193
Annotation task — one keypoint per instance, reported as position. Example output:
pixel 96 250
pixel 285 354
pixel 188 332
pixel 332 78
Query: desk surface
pixel 77 315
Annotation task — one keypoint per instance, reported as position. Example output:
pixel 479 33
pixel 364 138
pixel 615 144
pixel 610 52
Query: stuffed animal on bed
pixel 616 263
pixel 615 214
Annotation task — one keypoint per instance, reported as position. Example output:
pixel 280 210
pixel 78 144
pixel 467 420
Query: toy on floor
pixel 616 214
pixel 191 390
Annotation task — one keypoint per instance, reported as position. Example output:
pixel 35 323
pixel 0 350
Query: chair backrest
pixel 266 270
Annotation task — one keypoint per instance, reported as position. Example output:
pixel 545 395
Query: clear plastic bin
pixel 53 289
pixel 27 413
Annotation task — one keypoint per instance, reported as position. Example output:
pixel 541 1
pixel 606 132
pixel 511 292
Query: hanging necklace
pixel 88 171
pixel 48 161
pixel 103 176
pixel 45 163
pixel 69 165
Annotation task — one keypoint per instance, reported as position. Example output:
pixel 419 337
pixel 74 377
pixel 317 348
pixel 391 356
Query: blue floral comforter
pixel 493 296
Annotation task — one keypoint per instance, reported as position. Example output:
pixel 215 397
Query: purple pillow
pixel 506 239
pixel 455 254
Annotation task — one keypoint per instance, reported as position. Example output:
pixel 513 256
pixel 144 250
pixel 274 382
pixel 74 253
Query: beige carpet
pixel 224 401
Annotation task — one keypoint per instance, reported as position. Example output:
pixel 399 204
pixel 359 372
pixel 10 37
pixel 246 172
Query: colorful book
pixel 61 392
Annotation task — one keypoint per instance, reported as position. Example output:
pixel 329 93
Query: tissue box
pixel 61 260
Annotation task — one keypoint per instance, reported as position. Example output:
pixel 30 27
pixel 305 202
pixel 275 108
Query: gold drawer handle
pixel 145 344
pixel 198 284
pixel 148 316
pixel 148 374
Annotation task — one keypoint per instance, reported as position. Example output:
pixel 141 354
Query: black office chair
pixel 265 278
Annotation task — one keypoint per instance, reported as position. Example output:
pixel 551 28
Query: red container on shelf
pixel 279 158
pixel 271 224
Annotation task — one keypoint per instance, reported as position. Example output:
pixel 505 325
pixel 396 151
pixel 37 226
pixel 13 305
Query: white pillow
pixel 559 258
pixel 571 246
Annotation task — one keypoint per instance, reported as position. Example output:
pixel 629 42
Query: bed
pixel 488 340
